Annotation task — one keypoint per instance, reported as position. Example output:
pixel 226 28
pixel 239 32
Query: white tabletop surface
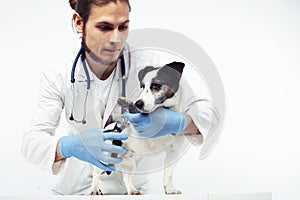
pixel 250 196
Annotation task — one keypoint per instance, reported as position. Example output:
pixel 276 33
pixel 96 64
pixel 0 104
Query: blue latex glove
pixel 158 123
pixel 89 146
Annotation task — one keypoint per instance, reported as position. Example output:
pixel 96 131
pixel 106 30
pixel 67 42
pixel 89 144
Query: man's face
pixel 106 31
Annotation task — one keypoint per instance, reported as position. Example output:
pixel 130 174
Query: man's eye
pixel 155 86
pixel 123 28
pixel 105 28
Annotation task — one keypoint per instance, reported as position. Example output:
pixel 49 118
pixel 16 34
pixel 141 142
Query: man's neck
pixel 102 71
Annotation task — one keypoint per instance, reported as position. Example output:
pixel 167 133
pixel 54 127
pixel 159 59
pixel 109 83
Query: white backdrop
pixel 255 46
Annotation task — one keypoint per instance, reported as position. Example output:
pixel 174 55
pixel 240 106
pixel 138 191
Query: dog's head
pixel 159 86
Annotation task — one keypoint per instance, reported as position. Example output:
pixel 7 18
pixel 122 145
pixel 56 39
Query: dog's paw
pixel 96 192
pixel 172 191
pixel 135 192
pixel 127 104
pixel 124 103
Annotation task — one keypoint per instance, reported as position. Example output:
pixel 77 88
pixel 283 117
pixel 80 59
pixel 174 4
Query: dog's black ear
pixel 144 71
pixel 170 75
pixel 178 66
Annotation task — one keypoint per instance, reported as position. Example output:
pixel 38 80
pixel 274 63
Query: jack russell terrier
pixel 161 88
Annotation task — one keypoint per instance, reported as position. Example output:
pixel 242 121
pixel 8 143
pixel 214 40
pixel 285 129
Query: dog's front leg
pixel 128 168
pixel 95 190
pixel 170 162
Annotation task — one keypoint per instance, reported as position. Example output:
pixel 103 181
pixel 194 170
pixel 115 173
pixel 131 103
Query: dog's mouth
pixel 145 110
pixel 134 107
pixel 142 107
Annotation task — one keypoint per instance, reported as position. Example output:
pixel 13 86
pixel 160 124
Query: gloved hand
pixel 89 146
pixel 158 123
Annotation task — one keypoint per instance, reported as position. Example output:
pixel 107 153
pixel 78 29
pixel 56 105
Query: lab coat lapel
pixel 112 99
pixel 115 90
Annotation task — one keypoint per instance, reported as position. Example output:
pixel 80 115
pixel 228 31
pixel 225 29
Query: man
pixel 89 102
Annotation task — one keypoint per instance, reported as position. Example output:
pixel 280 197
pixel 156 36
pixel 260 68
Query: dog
pixel 160 88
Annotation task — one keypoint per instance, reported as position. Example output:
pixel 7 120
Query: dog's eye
pixel 142 85
pixel 155 86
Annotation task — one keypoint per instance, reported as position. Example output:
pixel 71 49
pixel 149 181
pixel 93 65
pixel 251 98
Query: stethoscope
pixel 81 54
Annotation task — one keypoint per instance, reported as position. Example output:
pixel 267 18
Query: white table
pixel 250 196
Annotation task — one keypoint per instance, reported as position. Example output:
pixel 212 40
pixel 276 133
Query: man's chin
pixel 104 60
pixel 109 61
pixel 111 58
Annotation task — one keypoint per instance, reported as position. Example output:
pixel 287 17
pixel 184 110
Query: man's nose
pixel 116 37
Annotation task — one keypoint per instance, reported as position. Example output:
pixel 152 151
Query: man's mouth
pixel 112 51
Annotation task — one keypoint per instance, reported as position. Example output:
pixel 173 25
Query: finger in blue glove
pixel 158 123
pixel 90 146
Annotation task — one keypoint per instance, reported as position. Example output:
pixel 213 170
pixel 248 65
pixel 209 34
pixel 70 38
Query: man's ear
pixel 78 23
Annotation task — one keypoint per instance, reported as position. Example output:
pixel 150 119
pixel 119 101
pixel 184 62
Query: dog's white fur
pixel 137 145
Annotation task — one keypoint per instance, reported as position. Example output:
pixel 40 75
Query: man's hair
pixel 83 7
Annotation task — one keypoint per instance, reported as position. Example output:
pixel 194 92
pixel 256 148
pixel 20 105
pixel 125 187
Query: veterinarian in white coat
pixel 104 27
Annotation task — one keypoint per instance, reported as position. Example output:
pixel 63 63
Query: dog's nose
pixel 139 104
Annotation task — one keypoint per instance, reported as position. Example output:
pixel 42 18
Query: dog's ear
pixel 177 66
pixel 144 71
pixel 170 75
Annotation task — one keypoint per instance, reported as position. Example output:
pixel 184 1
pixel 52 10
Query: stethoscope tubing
pixel 81 54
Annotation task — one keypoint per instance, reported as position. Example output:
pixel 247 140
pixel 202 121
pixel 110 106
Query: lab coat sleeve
pixel 39 141
pixel 205 116
pixel 202 111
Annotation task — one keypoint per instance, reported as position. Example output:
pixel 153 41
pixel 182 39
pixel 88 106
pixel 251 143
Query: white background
pixel 255 47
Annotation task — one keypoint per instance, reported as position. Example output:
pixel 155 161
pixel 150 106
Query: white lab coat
pixel 39 142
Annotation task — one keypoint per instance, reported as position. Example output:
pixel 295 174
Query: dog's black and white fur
pixel 160 88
